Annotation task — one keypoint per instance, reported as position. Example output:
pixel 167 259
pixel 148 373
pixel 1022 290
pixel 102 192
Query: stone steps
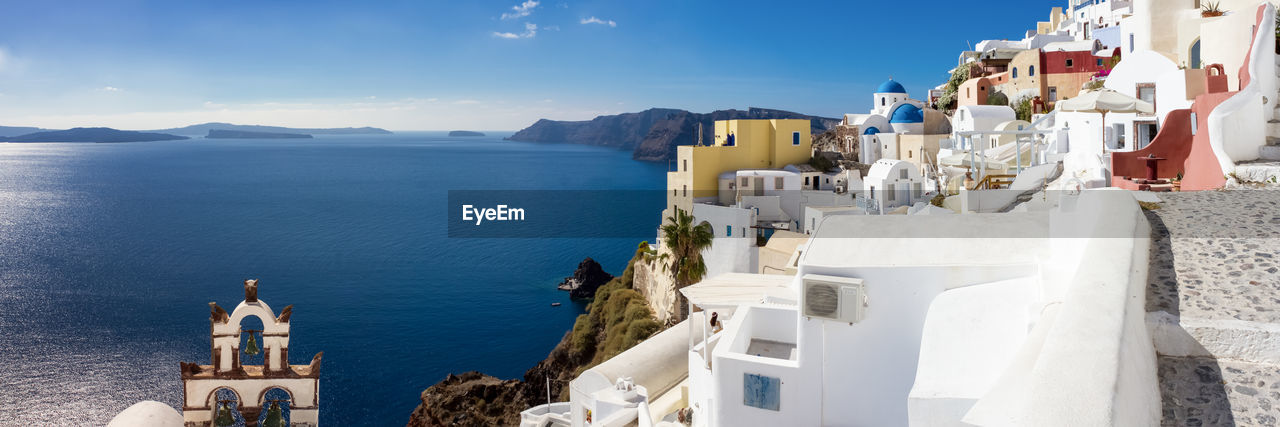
pixel 1205 391
pixel 1273 129
pixel 1269 152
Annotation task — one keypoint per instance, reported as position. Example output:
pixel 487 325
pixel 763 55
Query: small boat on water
pixel 555 304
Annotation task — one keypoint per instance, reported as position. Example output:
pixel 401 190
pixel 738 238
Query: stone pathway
pixel 1216 261
pixel 1203 391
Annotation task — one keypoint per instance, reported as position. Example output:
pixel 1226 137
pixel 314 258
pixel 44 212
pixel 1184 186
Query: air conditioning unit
pixel 840 188
pixel 841 299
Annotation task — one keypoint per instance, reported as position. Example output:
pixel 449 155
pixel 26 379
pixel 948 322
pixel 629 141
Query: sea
pixel 110 254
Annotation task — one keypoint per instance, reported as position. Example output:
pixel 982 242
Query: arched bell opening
pixel 225 405
pixel 276 403
pixel 252 351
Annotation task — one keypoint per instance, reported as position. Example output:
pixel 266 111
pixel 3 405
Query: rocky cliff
pixel 617 319
pixel 653 134
pixel 585 280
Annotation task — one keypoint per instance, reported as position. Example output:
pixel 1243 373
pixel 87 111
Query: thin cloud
pixel 521 10
pixel 530 30
pixel 4 58
pixel 466 102
pixel 595 20
pixel 110 89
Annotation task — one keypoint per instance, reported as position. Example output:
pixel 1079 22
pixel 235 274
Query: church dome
pixel 891 87
pixel 907 113
pixel 147 413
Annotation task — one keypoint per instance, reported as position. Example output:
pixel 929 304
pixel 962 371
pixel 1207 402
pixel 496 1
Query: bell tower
pixel 249 383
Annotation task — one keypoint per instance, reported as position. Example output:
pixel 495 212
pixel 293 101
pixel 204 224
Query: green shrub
pixel 997 98
pixel 617 319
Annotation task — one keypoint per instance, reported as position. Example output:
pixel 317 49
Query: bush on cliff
pixel 617 319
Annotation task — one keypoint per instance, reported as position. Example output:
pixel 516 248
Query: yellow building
pixel 738 145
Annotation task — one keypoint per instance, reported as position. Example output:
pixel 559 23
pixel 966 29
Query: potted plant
pixel 1212 9
pixel 1177 182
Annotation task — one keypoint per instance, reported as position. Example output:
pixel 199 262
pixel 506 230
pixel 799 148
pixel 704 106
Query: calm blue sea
pixel 110 253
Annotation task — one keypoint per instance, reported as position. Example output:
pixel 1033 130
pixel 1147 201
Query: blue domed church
pixel 894 120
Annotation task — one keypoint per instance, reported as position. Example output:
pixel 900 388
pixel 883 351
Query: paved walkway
pixel 1215 264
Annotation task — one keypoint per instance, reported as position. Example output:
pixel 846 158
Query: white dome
pixel 147 413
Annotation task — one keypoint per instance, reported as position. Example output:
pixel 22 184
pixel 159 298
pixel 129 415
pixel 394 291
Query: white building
pixel 872 331
pixel 970 118
pixel 894 183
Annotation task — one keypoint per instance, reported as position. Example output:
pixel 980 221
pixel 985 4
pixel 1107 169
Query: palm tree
pixel 685 241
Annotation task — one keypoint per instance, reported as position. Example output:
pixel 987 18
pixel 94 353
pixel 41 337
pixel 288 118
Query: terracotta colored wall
pixel 1202 171
pixel 1068 84
pixel 1173 144
pixel 1083 61
pixel 1244 67
pixel 973 92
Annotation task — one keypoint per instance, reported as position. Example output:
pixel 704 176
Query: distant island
pixel 8 131
pixel 240 134
pixel 93 135
pixel 465 133
pixel 204 128
pixel 653 134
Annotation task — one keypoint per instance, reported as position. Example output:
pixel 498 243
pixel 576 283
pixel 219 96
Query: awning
pixel 732 289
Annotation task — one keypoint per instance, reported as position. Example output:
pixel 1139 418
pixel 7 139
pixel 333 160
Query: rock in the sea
pixel 585 280
pixel 457 133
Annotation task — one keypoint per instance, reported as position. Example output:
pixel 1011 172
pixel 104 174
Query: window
pixel 795 138
pixel 686 190
pixel 686 164
pixel 806 180
pixel 966 92
pixel 1069 63
pixel 888 194
pixel 1130 42
pixel 881 102
pixel 917 190
pixel 1015 72
pixel 728 231
pixel 902 174
pixel 1099 60
pixel 1031 71
pixel 982 88
pixel 909 154
pixel 1053 93
pixel 777 183
pixel 675 192
pixel 828 180
pixel 1195 54
pixel 1147 92
pixel 1193 123
pixel 745 182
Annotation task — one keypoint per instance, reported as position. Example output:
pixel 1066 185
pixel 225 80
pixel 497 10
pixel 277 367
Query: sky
pixel 469 64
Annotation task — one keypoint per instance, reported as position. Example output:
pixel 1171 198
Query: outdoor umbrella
pixel 1105 101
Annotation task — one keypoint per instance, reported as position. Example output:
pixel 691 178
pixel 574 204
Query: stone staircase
pixel 1213 307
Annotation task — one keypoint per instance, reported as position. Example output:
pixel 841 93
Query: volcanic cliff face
pixel 653 134
pixel 617 319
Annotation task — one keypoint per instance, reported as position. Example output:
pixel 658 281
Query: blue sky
pixel 470 64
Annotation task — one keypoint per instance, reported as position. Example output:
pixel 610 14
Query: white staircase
pixel 1264 171
pixel 1271 151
